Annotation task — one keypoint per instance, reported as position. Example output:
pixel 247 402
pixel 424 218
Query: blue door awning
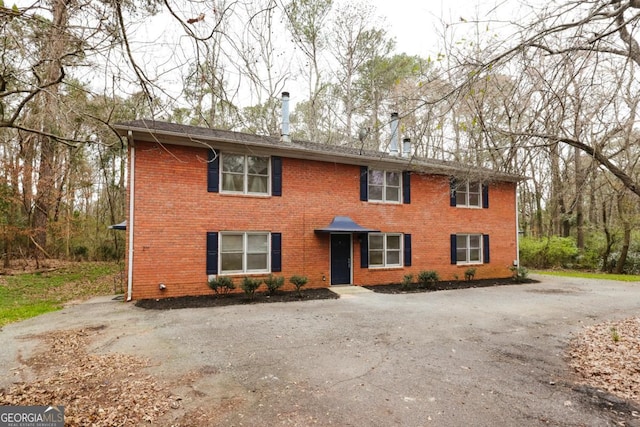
pixel 120 226
pixel 344 224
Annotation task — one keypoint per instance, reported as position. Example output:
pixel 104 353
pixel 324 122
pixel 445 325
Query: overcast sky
pixel 415 24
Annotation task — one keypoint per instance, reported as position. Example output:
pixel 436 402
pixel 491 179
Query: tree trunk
pixel 626 242
pixel 609 239
pixel 626 236
pixel 565 221
pixel 579 185
pixel 556 195
pixel 45 199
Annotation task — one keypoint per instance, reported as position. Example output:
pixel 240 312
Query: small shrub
pixel 249 286
pixel 221 285
pixel 106 252
pixel 631 265
pixel 548 252
pixel 615 336
pixel 469 273
pixel 519 273
pixel 406 282
pixel 273 283
pixel 428 278
pixel 80 253
pixel 298 282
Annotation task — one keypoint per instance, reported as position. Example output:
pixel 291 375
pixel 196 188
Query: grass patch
pixel 27 295
pixel 588 275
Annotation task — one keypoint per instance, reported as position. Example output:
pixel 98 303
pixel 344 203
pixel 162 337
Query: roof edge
pixel 194 136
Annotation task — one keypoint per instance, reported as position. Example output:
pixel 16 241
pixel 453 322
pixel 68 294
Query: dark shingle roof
pixel 173 133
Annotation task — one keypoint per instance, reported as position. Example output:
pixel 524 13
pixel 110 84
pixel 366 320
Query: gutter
pixel 130 223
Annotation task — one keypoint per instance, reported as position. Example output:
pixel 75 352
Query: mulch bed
pixel 311 294
pixel 396 288
pixel 234 299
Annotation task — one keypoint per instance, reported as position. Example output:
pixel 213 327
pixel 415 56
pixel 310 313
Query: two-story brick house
pixel 208 202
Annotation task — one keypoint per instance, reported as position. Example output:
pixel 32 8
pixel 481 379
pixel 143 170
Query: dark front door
pixel 340 259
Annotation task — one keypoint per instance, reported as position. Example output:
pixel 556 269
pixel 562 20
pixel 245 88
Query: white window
pixel 469 194
pixel 385 186
pixel 469 248
pixel 385 250
pixel 244 252
pixel 245 174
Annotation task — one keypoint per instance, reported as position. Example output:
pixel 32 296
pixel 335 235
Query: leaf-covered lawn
pixel 95 389
pixel 607 357
pixel 27 295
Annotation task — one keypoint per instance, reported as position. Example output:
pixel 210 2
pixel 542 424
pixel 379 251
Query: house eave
pixel 262 145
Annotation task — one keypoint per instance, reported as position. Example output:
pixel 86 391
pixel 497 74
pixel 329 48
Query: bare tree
pixel 584 39
pixel 355 42
pixel 307 23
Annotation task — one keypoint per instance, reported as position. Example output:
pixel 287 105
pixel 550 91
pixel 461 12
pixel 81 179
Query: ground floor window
pixel 385 250
pixel 244 252
pixel 469 248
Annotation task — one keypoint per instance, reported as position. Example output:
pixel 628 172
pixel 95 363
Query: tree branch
pixel 139 72
pixel 626 180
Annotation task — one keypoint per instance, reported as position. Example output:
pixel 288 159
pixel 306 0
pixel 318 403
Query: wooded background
pixel 553 97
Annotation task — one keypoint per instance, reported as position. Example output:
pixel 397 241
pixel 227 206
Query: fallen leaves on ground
pixel 95 389
pixel 607 357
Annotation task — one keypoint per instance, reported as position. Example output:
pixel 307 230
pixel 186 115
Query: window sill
pixel 243 273
pixel 381 202
pixel 385 268
pixel 249 195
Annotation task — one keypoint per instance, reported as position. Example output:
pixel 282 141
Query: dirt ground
pixel 483 356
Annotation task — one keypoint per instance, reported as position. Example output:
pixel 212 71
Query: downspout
pixel 517 229
pixel 130 222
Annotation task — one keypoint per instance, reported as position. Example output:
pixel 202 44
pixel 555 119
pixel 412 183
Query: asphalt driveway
pixel 481 357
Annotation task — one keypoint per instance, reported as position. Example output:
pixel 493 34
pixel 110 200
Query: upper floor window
pixel 385 186
pixel 245 174
pixel 471 194
pixel 385 250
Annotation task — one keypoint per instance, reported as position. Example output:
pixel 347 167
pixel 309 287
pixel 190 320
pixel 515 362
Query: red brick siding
pixel 173 212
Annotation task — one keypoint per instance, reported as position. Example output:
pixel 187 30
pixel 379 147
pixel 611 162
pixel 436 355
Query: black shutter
pixel 276 176
pixel 407 250
pixel 276 252
pixel 452 191
pixel 364 182
pixel 364 251
pixel 212 252
pixel 454 249
pixel 406 187
pixel 213 171
pixel 485 248
pixel 485 196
